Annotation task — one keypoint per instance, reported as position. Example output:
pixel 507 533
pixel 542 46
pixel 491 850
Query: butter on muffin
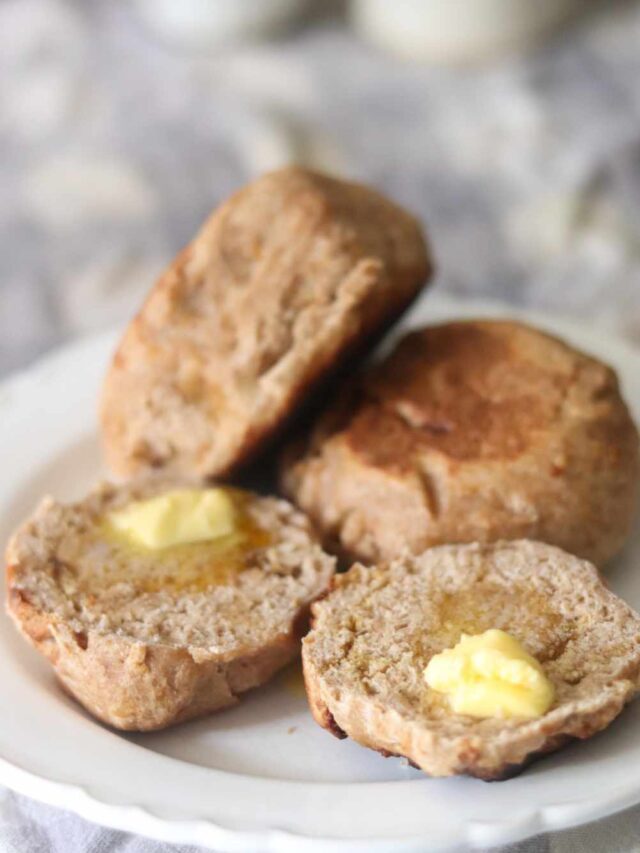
pixel 472 431
pixel 550 655
pixel 163 600
pixel 290 277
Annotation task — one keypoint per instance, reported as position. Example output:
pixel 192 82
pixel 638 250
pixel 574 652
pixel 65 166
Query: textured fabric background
pixel 115 147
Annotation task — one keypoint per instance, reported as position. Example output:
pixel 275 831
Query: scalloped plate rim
pixel 135 817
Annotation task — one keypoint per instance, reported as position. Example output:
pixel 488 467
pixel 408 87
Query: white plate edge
pixel 205 832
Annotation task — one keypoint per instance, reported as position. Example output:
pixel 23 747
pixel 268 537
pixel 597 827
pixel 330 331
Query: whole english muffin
pixel 473 431
pixel 375 633
pixel 144 639
pixel 288 278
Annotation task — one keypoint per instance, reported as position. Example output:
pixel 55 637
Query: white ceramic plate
pixel 263 776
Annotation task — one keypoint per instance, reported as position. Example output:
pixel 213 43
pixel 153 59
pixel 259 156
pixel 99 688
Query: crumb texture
pixel 377 630
pixel 113 618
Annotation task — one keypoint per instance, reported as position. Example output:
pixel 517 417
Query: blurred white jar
pixel 211 23
pixel 457 30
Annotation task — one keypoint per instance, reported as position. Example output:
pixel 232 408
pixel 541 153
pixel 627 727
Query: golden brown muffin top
pixel 477 390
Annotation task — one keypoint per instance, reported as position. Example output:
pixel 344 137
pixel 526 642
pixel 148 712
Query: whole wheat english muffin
pixel 375 633
pixel 289 277
pixel 473 431
pixel 146 638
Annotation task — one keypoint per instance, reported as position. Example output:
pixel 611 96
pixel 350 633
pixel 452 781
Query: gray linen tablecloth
pixel 30 827
pixel 115 147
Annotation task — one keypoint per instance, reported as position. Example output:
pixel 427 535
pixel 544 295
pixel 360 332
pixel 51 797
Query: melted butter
pixel 191 567
pixel 490 675
pixel 468 612
pixel 478 609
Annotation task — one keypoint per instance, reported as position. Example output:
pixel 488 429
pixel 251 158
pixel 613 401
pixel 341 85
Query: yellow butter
pixel 490 675
pixel 178 517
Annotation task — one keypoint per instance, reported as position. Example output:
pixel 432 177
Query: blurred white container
pixel 211 23
pixel 457 30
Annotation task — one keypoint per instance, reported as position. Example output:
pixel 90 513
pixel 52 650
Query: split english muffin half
pixel 472 431
pixel 375 633
pixel 288 280
pixel 145 637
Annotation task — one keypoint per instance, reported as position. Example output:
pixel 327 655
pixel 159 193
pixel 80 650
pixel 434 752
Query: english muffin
pixel 375 633
pixel 472 431
pixel 145 638
pixel 287 279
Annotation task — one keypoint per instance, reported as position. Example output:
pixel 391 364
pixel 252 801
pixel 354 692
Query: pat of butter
pixel 490 675
pixel 178 517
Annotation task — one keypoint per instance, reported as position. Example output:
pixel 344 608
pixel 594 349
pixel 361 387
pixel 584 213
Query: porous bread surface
pixel 375 633
pixel 285 280
pixel 130 634
pixel 473 431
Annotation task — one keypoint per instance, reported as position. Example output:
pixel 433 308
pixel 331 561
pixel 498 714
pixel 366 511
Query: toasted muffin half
pixel 375 633
pixel 472 431
pixel 146 638
pixel 288 279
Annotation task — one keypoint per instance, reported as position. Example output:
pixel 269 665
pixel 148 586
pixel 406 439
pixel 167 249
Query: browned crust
pixel 137 687
pixel 509 771
pixel 319 709
pixel 305 397
pixel 472 431
pixel 366 251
